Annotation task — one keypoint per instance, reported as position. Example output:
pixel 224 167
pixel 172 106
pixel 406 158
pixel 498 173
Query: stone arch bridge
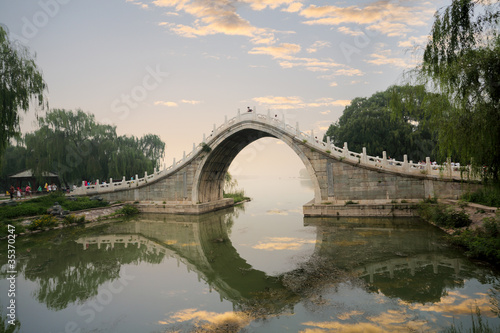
pixel 194 184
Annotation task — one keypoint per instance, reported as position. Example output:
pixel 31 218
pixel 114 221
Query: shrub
pixel 128 210
pixel 83 203
pixel 444 217
pixel 70 219
pixel 45 221
pixel 488 195
pixel 238 196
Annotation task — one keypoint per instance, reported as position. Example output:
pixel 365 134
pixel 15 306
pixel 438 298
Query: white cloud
pixel 166 103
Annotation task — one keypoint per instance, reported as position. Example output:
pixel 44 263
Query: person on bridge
pixel 248 108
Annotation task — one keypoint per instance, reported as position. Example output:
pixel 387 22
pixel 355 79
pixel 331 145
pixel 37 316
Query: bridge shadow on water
pixel 399 258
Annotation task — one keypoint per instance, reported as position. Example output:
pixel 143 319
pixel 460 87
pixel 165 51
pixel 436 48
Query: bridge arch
pixel 209 177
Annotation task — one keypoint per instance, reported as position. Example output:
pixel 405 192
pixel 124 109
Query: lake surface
pixel 260 267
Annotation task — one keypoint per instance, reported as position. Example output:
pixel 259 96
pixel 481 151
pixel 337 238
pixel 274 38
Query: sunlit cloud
pixel 295 102
pixel 138 3
pixel 383 16
pixel 320 44
pixel 263 4
pixel 384 57
pixel 349 31
pixel 283 50
pixel 282 243
pixel 294 7
pixel 190 102
pixel 164 103
pixel 414 41
pixel 333 84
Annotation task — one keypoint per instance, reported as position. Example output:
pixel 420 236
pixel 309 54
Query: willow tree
pixel 21 83
pixel 461 61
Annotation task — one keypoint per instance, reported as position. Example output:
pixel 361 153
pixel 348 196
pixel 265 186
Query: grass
pixel 444 216
pixel 489 195
pixel 39 205
pixel 481 243
pixel 478 325
pixel 238 196
pixel 128 210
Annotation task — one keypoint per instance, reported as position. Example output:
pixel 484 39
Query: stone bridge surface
pixel 195 183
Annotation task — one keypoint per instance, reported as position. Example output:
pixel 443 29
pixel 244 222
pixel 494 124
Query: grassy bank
pixel 38 206
pixel 480 241
pixel 238 196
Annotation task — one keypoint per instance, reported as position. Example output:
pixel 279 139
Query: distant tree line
pixel 76 147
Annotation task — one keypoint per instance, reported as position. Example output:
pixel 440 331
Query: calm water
pixel 262 267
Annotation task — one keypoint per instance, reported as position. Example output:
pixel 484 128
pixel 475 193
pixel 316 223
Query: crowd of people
pixel 20 192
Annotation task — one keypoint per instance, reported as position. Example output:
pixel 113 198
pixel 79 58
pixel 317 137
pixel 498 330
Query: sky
pixel 176 67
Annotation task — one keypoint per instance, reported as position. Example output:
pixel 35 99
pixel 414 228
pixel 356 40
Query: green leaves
pixel 368 122
pixel 20 83
pixel 462 62
pixel 76 147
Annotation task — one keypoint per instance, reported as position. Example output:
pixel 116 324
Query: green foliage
pixel 488 196
pixel 45 221
pixel 444 216
pixel 76 147
pixel 72 218
pixel 368 122
pixel 21 82
pixel 483 243
pixel 350 202
pixel 39 205
pixel 238 196
pixel 461 61
pixel 83 203
pixel 205 148
pixel 128 210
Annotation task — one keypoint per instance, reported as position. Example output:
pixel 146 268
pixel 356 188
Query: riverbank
pixel 473 227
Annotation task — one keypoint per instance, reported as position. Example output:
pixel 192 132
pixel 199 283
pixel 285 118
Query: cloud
pixel 295 102
pixel 293 8
pixel 349 31
pixel 384 57
pixel 383 16
pixel 333 84
pixel 263 4
pixel 169 104
pixel 190 102
pixel 138 3
pixel 318 45
pixel 281 51
pixel 414 41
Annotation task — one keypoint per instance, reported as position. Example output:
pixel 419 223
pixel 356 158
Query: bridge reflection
pixel 385 254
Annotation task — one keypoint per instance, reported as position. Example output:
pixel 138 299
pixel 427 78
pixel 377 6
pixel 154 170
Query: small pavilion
pixel 26 177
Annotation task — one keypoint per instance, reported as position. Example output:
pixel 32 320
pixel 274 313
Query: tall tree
pixel 461 61
pixel 368 122
pixel 20 83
